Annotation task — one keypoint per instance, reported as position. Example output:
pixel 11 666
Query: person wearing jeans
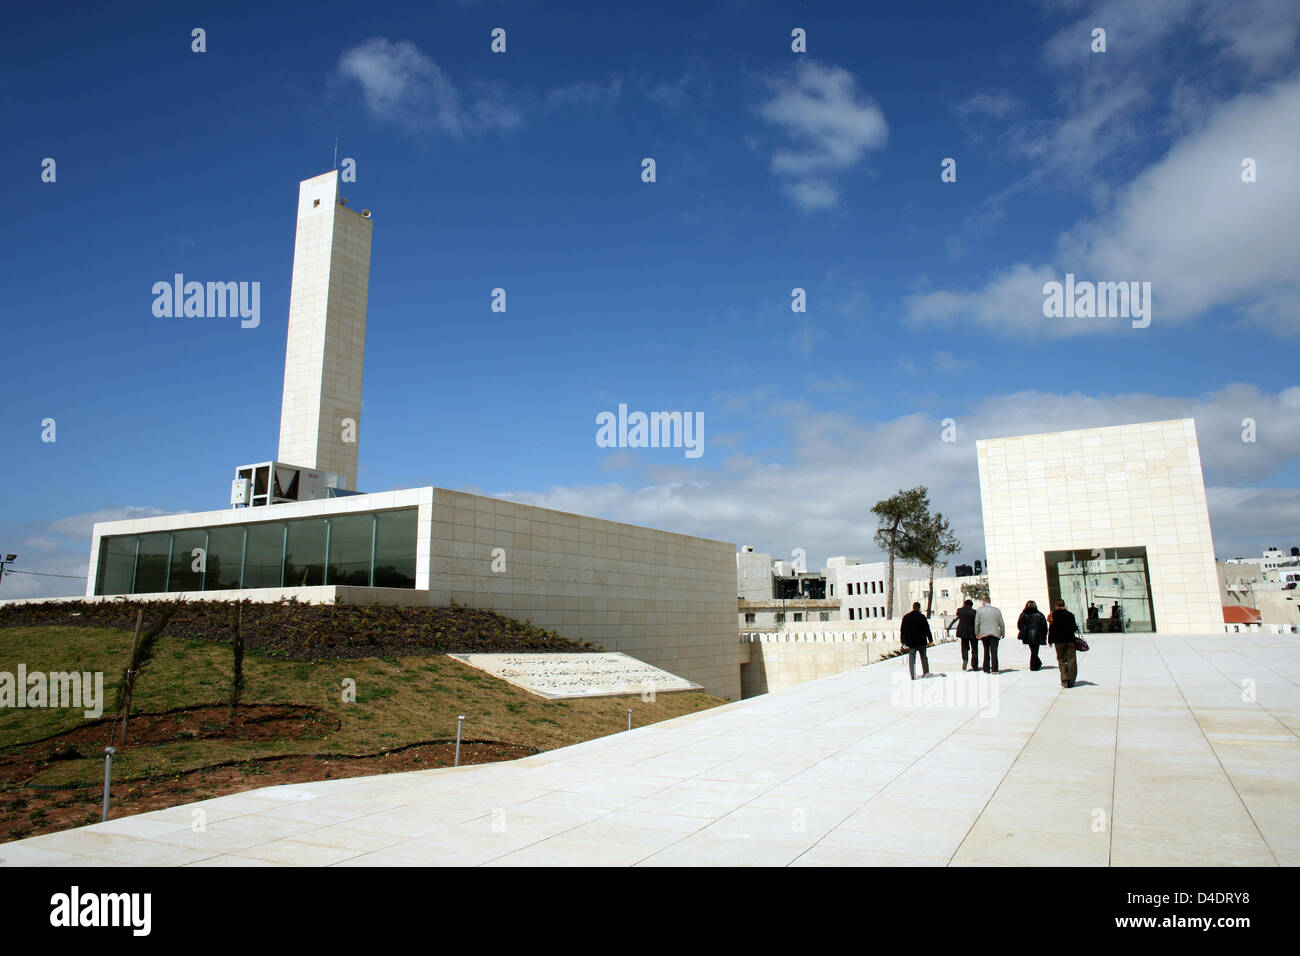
pixel 990 628
pixel 965 621
pixel 914 632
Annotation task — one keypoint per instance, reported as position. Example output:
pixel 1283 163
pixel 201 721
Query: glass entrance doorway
pixel 1107 589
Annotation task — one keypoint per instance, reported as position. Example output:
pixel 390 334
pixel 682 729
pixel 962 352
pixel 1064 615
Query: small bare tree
pixel 142 651
pixel 237 672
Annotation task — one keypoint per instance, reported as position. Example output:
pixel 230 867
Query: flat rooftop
pixel 1177 751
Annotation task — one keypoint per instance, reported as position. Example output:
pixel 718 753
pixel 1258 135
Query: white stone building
pixel 1109 517
pixel 862 589
pixel 664 598
pixel 948 595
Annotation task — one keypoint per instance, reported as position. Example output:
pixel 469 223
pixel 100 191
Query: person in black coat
pixel 1033 632
pixel 1061 635
pixel 914 632
pixel 965 622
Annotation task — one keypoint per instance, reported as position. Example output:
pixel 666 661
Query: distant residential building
pixel 948 594
pixel 862 589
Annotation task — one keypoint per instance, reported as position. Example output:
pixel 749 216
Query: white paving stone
pixel 1157 758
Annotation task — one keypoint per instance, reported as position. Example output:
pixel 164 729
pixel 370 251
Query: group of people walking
pixel 986 627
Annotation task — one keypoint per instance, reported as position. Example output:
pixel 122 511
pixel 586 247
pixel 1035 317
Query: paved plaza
pixel 1170 751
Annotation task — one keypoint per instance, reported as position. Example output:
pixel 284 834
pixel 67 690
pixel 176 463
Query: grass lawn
pixel 52 759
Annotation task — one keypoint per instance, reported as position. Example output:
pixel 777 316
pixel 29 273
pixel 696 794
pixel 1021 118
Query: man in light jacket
pixel 989 627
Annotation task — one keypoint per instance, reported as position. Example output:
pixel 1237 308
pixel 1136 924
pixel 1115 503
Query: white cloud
pixel 834 467
pixel 832 125
pixel 58 549
pixel 838 467
pixel 996 104
pixel 1196 231
pixel 1104 96
pixel 586 94
pixel 81 525
pixel 813 194
pixel 1187 224
pixel 1011 302
pixel 671 95
pixel 403 86
pixel 947 362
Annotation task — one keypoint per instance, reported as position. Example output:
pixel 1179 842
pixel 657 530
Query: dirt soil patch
pixel 28 811
pixel 256 722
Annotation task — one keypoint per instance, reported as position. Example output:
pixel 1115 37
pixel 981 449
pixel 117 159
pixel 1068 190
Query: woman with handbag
pixel 1062 634
pixel 1033 632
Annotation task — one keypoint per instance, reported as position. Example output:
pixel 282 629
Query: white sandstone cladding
pixel 1125 486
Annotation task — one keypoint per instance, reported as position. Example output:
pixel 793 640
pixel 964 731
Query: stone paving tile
pixel 567 851
pixel 916 841
pixel 1146 852
pixel 802 825
pixel 299 853
pixel 233 859
pixel 989 844
pixel 414 820
pixel 616 834
pixel 1157 745
pixel 699 850
pixel 17 854
pixel 823 855
pixel 345 837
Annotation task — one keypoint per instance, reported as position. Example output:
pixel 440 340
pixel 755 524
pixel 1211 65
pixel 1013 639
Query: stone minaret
pixel 320 418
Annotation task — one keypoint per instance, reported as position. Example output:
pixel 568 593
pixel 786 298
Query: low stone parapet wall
pixel 779 659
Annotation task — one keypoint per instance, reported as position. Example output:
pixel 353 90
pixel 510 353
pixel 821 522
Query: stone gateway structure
pixel 1112 520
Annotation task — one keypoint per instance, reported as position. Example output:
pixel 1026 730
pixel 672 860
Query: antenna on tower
pixel 336 152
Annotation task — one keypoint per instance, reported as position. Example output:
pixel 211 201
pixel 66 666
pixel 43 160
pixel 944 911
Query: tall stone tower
pixel 320 417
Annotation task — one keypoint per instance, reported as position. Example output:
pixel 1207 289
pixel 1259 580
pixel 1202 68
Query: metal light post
pixel 7 559
pixel 108 774
pixel 459 722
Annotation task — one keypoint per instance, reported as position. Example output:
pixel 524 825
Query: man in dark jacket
pixel 1061 635
pixel 915 635
pixel 965 622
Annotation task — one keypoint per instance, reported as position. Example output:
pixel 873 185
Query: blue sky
pixel 774 170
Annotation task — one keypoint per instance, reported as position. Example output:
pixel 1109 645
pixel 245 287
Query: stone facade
pixel 326 344
pixel 667 599
pixel 1132 486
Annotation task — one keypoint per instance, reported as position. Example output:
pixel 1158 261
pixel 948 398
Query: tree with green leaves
pixel 895 516
pixel 977 591
pixel 929 539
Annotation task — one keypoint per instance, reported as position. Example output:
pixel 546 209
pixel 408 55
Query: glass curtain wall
pixel 1107 589
pixel 365 550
